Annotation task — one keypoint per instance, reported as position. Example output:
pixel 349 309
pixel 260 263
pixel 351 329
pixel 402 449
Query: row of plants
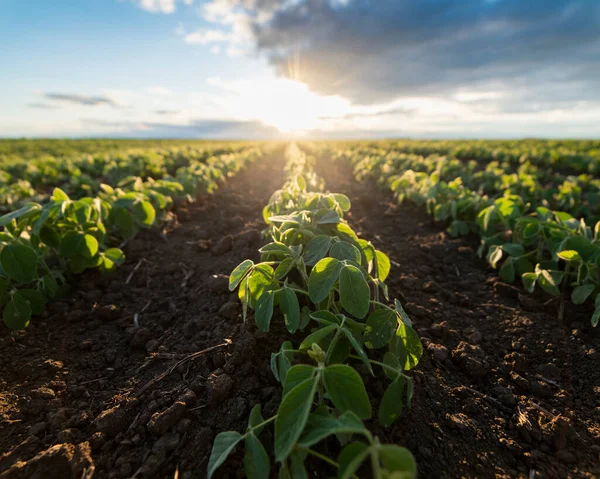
pixel 42 245
pixel 327 286
pixel 83 175
pixel 572 156
pixel 542 187
pixel 542 247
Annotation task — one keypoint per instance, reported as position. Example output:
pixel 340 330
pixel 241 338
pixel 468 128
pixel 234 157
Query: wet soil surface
pixel 503 389
pixel 133 375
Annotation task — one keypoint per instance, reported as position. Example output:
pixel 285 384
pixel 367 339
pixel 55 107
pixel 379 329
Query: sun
pixel 291 107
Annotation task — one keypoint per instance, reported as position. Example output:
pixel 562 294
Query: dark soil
pixel 503 389
pixel 98 369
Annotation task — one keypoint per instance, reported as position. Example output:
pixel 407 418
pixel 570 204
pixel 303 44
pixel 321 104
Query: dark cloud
pixel 219 129
pixel 81 99
pixel 377 50
pixel 43 106
pixel 388 112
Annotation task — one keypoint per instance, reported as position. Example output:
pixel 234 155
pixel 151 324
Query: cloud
pixel 166 112
pixel 84 100
pixel 43 106
pixel 205 37
pixel 200 128
pixel 388 112
pixel 377 51
pixel 161 6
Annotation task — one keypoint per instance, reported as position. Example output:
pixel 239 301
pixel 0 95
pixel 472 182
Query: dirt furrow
pixel 99 368
pixel 503 389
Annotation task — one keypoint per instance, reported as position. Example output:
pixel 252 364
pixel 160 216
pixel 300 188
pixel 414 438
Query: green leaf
pixel 264 310
pixel 507 271
pixel 343 250
pixel 354 291
pixel 224 444
pixel 239 273
pixel 570 255
pixel 383 265
pixel 350 459
pixel 343 201
pixel 317 336
pixel 36 299
pixel 75 243
pixel 256 459
pixel 407 346
pixel 59 195
pixel 144 213
pixel 115 255
pixel 346 390
pixel 277 249
pixel 7 218
pixel 391 403
pixel 398 459
pixel 382 324
pixel 513 249
pixel 288 302
pixel 358 348
pixel 283 268
pixel 292 416
pixel 322 278
pixel 529 280
pixel 298 469
pixel 282 362
pixel 391 360
pixel 19 262
pixel 255 419
pixel 17 312
pixel 581 293
pixel 596 317
pixel 296 375
pixel 318 427
pixel 316 249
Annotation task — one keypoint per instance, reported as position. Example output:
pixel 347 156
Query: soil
pixel 134 374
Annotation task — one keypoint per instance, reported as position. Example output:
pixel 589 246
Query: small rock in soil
pixel 439 352
pixel 166 444
pixel 58 418
pixel 188 397
pixel 218 283
pixel 471 359
pixel 161 422
pixel 229 310
pixel 140 338
pixel 68 435
pixel 111 421
pixel 38 428
pixel 219 388
pixel 223 246
pixel 43 393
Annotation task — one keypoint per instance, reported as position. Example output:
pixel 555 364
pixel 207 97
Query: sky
pixel 300 68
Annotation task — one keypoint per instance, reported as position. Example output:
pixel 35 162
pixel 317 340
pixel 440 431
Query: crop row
pixel 326 283
pixel 573 156
pixel 43 244
pixel 521 234
pixel 83 175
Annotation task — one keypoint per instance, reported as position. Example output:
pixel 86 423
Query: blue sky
pixel 265 68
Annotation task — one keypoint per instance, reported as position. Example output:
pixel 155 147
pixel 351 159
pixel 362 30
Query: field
pixel 379 309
